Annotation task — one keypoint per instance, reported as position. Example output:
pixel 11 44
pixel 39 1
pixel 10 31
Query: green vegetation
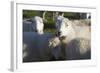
pixel 49 26
pixel 29 13
pixel 72 15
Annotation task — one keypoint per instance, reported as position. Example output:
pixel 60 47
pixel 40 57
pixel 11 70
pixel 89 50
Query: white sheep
pixel 34 24
pixel 37 24
pixel 75 40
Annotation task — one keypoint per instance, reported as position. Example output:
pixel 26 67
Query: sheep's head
pixel 63 26
pixel 38 24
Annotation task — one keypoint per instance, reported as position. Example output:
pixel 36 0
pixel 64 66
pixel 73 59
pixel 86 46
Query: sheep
pixel 81 22
pixel 75 40
pixel 37 24
pixel 34 24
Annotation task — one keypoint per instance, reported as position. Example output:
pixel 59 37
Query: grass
pixel 49 30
